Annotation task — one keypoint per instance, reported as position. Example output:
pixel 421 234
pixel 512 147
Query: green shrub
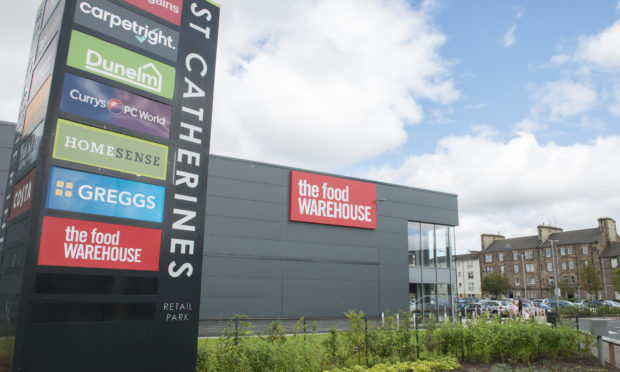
pixel 441 364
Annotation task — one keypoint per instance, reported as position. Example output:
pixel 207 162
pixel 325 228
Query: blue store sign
pixel 76 191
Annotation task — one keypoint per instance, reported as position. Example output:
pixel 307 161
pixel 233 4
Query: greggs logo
pixel 83 192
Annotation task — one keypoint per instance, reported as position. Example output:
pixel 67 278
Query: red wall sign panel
pixel 334 201
pixel 75 243
pixel 170 10
pixel 22 195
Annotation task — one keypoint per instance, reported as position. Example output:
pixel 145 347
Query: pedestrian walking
pixel 520 307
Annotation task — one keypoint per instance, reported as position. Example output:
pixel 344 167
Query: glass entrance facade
pixel 432 246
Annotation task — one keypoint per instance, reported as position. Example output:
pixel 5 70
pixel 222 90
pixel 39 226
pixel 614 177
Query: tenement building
pixel 468 275
pixel 554 261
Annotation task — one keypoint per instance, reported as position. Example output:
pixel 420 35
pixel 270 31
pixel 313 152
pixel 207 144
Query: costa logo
pixel 115 106
pixel 21 197
pixel 170 10
pixel 118 22
pixel 83 192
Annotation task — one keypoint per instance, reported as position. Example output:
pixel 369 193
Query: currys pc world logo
pixel 120 23
pixel 82 192
pixel 114 106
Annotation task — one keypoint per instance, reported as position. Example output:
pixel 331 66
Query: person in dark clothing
pixel 520 307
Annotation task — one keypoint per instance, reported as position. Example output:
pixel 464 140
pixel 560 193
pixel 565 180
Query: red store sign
pixel 76 243
pixel 170 10
pixel 22 195
pixel 333 201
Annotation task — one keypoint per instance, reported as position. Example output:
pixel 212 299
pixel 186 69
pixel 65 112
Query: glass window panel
pixel 451 245
pixel 414 243
pixel 429 301
pixel 427 247
pixel 442 241
pixel 443 299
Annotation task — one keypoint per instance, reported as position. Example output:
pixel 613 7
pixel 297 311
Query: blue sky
pixel 511 105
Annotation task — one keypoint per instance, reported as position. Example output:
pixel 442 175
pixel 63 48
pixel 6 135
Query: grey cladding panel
pixel 246 190
pixel 241 268
pixel 295 307
pixel 426 214
pixel 229 245
pixel 308 232
pixel 244 170
pixel 405 195
pixel 335 272
pixel 394 273
pixel 247 287
pixel 238 227
pixel 391 224
pixel 250 209
pixel 7 133
pixel 391 241
pixel 329 289
pixel 5 158
pixel 394 257
pixel 333 252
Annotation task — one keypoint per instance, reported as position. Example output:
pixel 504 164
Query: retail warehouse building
pixel 286 243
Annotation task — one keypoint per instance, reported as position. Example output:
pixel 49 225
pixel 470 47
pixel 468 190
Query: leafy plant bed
pixel 576 363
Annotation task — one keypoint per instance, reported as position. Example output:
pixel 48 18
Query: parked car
pixel 497 307
pixel 610 303
pixel 474 307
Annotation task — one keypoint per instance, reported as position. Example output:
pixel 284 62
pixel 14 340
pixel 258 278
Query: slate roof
pixel 574 237
pixel 467 256
pixel 531 242
pixel 613 250
pixel 524 242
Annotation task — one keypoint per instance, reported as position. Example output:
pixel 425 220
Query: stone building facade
pixel 468 275
pixel 538 265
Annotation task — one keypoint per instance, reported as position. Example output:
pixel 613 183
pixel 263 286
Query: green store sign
pixel 101 148
pixel 119 64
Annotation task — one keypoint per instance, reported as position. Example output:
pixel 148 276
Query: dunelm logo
pixel 141 32
pixel 146 76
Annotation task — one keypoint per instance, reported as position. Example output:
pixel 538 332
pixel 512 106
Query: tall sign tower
pixel 101 239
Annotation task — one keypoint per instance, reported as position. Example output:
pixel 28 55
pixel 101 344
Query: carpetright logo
pixel 118 22
pixel 113 62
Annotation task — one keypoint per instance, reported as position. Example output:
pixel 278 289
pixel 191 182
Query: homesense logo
pixel 119 64
pixel 124 25
pixel 115 106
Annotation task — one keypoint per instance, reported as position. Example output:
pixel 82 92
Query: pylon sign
pixel 101 237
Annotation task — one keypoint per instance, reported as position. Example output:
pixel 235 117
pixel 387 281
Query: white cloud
pixel 504 186
pixel 528 125
pixel 561 99
pixel 601 49
pixel 509 36
pixel 559 59
pixel 316 83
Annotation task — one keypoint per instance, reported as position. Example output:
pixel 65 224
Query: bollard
pixel 382 319
pixel 397 321
pixel 236 330
pixel 612 355
pixel 598 328
pixel 417 340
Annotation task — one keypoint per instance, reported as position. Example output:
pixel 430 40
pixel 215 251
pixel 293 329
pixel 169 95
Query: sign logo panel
pixel 76 243
pixel 35 112
pixel 76 191
pixel 29 149
pixel 21 197
pixel 170 10
pixel 101 148
pixel 121 24
pixel 334 201
pixel 115 106
pixel 44 68
pixel 113 62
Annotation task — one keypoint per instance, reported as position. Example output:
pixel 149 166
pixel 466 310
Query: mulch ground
pixel 580 363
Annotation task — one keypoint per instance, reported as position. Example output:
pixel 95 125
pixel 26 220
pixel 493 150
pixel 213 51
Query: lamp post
pixel 523 268
pixel 555 279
